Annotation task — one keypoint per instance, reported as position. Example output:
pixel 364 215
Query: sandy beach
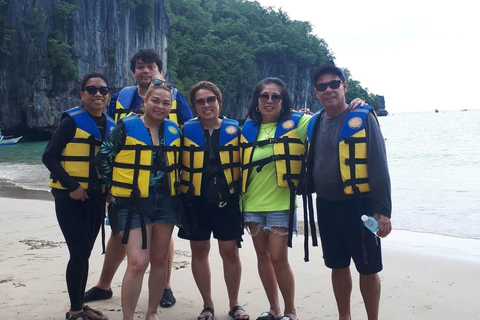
pixel 425 276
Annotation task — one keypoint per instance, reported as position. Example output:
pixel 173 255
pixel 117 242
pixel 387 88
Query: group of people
pixel 158 167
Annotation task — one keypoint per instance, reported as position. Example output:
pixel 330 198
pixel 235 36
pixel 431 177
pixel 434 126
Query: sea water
pixel 434 163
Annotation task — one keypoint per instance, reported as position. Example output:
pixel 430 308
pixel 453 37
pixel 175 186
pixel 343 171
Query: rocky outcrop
pixel 103 36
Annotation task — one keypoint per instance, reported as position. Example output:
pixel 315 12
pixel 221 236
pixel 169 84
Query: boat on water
pixel 8 140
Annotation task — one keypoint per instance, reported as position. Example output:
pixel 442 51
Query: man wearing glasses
pixel 347 168
pixel 146 67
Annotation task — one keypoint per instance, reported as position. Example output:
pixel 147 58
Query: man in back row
pixel 348 170
pixel 145 65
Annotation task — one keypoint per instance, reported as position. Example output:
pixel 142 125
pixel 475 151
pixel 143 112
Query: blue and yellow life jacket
pixel 124 102
pixel 352 148
pixel 288 151
pixel 77 158
pixel 133 164
pixel 193 152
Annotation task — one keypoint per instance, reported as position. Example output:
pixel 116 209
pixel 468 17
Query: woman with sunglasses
pixel 272 152
pixel 209 189
pixel 140 161
pixel 79 194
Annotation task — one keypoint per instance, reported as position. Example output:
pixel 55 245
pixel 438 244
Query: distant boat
pixel 8 140
pixel 436 110
pixel 464 110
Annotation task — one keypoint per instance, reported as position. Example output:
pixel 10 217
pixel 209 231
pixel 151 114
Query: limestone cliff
pixel 103 35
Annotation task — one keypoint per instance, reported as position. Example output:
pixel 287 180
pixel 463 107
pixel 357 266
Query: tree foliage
pixel 223 40
pixel 220 40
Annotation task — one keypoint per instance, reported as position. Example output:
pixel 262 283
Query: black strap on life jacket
pixel 224 166
pixel 354 182
pixel 351 162
pixel 308 211
pixel 135 193
pixel 119 111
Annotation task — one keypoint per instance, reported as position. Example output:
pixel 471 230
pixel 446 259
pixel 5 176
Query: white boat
pixel 8 140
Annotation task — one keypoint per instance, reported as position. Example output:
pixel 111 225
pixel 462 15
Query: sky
pixel 421 55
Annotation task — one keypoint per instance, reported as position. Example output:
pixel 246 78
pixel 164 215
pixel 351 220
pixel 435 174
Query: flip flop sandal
pixel 242 315
pixel 98 313
pixel 95 294
pixel 285 318
pixel 207 309
pixel 78 316
pixel 168 299
pixel 266 316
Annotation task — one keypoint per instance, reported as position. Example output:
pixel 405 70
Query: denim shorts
pixel 158 207
pixel 270 219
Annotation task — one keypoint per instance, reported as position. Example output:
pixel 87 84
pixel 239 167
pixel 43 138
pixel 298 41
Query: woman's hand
pixel 79 194
pixel 355 103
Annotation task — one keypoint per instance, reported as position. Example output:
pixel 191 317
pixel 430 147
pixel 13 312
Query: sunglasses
pixel 159 82
pixel 334 84
pixel 93 90
pixel 201 102
pixel 275 97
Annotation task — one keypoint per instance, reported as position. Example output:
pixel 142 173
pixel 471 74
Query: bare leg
pixel 201 270
pixel 342 289
pixel 277 246
pixel 160 243
pixel 232 269
pixel 265 268
pixel 114 256
pixel 171 252
pixel 370 289
pixel 138 260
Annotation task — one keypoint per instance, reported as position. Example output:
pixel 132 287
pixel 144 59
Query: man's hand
pixel 79 194
pixel 306 111
pixel 384 225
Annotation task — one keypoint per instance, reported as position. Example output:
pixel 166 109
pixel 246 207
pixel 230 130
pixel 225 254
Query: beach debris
pixel 41 244
pixel 180 264
pixel 180 253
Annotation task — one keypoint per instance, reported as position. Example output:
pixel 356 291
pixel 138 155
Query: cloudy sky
pixel 420 54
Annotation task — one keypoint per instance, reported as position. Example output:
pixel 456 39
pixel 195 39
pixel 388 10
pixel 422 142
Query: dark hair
pixel 205 85
pixel 147 56
pixel 90 76
pixel 286 111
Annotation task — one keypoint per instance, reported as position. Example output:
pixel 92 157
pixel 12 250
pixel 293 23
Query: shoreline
pixel 421 279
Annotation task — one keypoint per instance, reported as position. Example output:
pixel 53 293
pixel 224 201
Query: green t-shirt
pixel 263 194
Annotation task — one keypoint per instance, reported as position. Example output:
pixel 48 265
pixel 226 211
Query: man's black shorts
pixel 204 218
pixel 344 236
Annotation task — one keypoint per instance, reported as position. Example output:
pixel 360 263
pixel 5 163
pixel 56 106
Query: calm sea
pixel 434 166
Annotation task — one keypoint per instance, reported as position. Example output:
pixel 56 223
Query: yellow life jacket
pixel 133 164
pixel 193 153
pixel 77 158
pixel 288 151
pixel 352 148
pixel 124 103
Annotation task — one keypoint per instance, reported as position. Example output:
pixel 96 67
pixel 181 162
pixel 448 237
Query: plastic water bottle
pixel 370 223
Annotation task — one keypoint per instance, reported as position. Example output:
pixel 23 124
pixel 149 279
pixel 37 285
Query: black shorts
pixel 344 237
pixel 204 218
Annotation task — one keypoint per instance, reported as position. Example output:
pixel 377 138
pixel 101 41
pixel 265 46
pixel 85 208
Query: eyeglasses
pixel 159 82
pixel 93 90
pixel 334 84
pixel 275 97
pixel 201 102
